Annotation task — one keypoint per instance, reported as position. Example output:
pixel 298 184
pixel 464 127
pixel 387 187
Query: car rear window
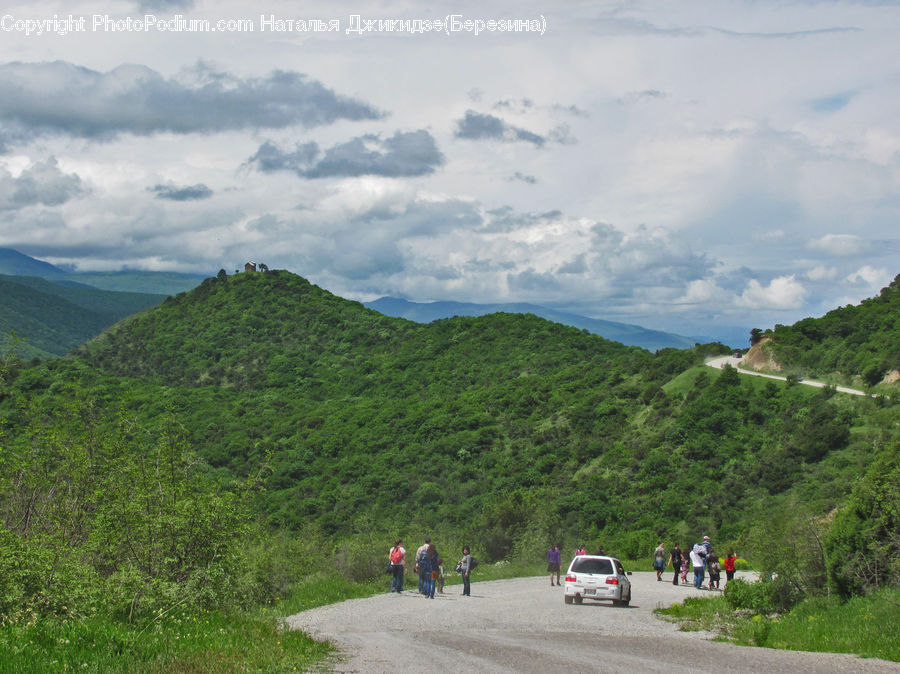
pixel 603 566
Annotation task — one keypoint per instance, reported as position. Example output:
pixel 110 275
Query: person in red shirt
pixel 397 557
pixel 729 566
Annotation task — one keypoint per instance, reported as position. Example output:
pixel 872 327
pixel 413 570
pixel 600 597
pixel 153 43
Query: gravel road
pixel 720 363
pixel 522 625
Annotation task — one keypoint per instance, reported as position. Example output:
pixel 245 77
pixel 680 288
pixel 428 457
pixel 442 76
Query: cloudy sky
pixel 675 165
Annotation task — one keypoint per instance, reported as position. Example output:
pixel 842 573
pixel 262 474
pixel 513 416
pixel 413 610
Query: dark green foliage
pixel 855 341
pixel 504 431
pixel 53 319
pixel 216 449
pixel 99 516
pixel 864 542
pixel 760 597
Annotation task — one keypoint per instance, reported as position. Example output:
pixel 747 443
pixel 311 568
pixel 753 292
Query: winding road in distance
pixel 722 361
pixel 523 625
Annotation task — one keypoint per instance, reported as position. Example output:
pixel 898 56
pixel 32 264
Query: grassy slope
pixel 865 626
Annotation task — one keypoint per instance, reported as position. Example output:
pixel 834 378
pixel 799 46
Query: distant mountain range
pixel 632 335
pixel 60 319
pixel 14 263
pixel 53 318
pixel 53 310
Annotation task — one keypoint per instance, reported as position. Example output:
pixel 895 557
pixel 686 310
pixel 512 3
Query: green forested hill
pixel 507 426
pixel 53 318
pixel 167 462
pixel 856 341
pixel 247 331
pixel 258 433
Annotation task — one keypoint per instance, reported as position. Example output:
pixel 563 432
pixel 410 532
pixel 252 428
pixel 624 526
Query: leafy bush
pixel 115 518
pixel 761 597
pixel 863 544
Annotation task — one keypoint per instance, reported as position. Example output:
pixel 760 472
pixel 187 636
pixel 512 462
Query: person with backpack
pixel 465 567
pixel 419 571
pixel 715 569
pixel 397 558
pixel 698 560
pixel 423 563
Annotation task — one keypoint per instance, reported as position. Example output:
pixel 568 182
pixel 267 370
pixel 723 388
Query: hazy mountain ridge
pixel 632 335
pixel 14 263
pixel 53 319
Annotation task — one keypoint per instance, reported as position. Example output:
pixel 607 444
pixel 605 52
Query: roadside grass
pixel 865 626
pixel 205 641
pixel 686 380
pixel 200 642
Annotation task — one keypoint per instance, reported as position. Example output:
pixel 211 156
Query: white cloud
pixel 752 186
pixel 784 292
pixel 839 245
pixel 704 292
pixel 822 273
pixel 874 278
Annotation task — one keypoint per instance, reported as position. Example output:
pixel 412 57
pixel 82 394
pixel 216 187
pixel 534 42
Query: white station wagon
pixel 596 577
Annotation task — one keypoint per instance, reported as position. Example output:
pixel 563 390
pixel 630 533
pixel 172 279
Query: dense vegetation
pixel 55 318
pixel 153 470
pixel 858 342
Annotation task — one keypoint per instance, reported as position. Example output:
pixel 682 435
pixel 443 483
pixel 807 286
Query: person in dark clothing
pixel 675 561
pixel 554 560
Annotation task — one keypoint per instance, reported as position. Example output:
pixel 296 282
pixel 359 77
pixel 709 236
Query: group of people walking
pixel 429 566
pixel 701 558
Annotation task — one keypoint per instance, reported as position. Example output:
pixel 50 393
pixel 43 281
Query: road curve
pixel 523 625
pixel 720 363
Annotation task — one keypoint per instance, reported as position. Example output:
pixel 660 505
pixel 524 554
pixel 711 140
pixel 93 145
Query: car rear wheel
pixel 578 599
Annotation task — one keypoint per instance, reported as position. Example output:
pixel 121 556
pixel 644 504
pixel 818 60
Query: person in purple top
pixel 554 559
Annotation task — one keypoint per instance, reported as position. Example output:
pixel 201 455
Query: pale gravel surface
pixel 523 625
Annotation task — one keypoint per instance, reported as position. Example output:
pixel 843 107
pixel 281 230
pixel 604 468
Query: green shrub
pixel 363 558
pixel 761 597
pixel 863 547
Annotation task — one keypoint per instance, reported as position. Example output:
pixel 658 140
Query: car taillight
pixel 571 577
pixel 612 581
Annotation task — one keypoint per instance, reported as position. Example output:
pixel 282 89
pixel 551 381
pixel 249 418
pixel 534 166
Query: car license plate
pixel 590 590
